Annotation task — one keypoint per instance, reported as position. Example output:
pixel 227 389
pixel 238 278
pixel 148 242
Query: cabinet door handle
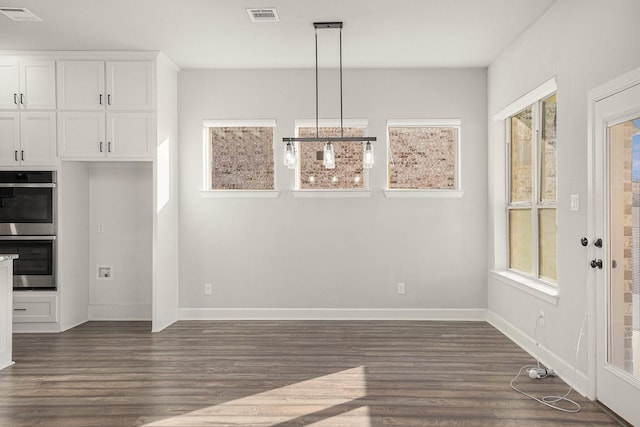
pixel 15 98
pixel 109 99
pixel 109 146
pixel 100 99
pixel 15 155
pixel 101 146
pixel 22 154
pixel 19 309
pixel 22 98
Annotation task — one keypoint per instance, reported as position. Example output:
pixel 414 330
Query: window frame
pixel 365 191
pixel 536 204
pixel 455 192
pixel 207 191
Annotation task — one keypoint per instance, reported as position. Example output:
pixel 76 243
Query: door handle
pixel 109 147
pixel 22 154
pixel 19 309
pixel 15 155
pixel 100 99
pixel 109 99
pixel 101 146
pixel 22 98
pixel 15 98
pixel 598 243
pixel 596 263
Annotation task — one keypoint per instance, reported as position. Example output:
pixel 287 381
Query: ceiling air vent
pixel 19 14
pixel 263 15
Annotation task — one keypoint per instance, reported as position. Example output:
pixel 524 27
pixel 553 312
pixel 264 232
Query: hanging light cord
pixel 317 127
pixel 552 401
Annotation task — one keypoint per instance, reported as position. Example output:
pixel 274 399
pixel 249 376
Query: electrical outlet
pixel 401 288
pixel 541 317
pixel 208 289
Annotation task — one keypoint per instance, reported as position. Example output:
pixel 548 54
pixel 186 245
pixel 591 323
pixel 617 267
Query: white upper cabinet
pixel 81 85
pixel 28 139
pixel 130 85
pixel 96 135
pixel 27 84
pixel 106 85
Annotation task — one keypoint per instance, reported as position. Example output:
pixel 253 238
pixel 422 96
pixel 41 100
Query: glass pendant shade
pixel 329 158
pixel 290 156
pixel 368 156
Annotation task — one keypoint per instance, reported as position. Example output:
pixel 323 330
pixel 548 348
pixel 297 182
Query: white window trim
pixel 330 193
pixel 456 192
pixel 206 191
pixel 534 286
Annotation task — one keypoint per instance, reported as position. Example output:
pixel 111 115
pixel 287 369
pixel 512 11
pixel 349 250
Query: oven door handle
pixel 28 185
pixel 27 238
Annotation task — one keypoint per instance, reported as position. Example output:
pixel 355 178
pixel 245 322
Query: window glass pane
pixel 348 173
pixel 521 157
pixel 422 157
pixel 520 240
pixel 241 158
pixel 548 151
pixel 547 244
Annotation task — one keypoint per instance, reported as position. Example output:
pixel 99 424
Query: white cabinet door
pixel 9 139
pixel 130 85
pixel 81 135
pixel 9 84
pixel 81 85
pixel 38 139
pixel 130 135
pixel 37 84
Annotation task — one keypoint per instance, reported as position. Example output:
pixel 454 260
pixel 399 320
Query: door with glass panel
pixel 617 261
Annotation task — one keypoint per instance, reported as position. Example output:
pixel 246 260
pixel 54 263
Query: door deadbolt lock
pixel 596 263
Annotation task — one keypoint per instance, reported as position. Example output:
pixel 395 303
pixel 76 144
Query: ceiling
pixel 219 33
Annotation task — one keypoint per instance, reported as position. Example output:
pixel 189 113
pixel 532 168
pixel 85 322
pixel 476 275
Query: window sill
pixel 448 194
pixel 239 194
pixel 536 288
pixel 331 194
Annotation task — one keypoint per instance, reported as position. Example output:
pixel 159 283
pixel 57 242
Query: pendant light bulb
pixel 290 156
pixel 329 158
pixel 368 155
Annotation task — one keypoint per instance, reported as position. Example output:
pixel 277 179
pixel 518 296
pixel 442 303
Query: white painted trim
pixel 541 92
pixel 530 286
pixel 424 194
pixel 265 123
pixel 330 194
pixel 424 122
pixel 239 194
pixel 311 123
pixel 6 365
pixel 564 369
pixel 471 314
pixel 74 325
pixel 36 328
pixel 120 312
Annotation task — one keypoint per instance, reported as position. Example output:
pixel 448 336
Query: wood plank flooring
pixel 277 373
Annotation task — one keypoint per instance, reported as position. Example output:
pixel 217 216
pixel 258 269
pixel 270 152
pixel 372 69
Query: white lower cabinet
pixel 29 308
pixel 95 135
pixel 28 139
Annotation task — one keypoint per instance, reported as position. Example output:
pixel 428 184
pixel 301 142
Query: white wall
pixel 120 204
pixel 73 243
pixel 290 253
pixel 584 44
pixel 165 236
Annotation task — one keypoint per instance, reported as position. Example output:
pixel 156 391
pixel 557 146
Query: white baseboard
pixel 118 312
pixel 472 314
pixel 564 369
pixel 36 328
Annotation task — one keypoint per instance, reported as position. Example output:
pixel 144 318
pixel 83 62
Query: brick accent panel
pixel 348 173
pixel 422 157
pixel 241 158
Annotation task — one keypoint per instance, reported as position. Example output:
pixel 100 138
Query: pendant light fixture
pixel 329 157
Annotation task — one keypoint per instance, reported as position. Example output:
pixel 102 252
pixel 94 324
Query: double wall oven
pixel 28 227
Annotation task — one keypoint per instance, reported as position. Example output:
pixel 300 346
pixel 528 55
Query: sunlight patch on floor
pixel 326 399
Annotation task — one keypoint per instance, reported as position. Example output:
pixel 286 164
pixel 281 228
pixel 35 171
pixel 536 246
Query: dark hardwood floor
pixel 277 373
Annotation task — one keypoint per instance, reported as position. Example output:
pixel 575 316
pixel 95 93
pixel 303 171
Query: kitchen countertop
pixel 6 257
